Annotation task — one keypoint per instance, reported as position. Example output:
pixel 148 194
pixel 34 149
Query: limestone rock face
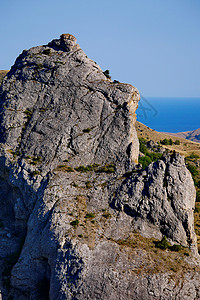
pixel 163 195
pixel 58 104
pixel 78 220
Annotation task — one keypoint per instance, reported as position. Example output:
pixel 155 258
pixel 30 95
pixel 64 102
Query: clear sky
pixel 152 44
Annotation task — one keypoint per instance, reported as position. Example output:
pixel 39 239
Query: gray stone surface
pixel 72 232
pixel 163 195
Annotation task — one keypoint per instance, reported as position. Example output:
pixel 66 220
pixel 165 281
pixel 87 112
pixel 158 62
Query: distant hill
pixel 2 75
pixel 185 148
pixel 189 135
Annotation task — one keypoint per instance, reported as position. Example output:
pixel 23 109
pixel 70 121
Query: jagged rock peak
pixel 72 206
pixel 67 42
pixel 58 104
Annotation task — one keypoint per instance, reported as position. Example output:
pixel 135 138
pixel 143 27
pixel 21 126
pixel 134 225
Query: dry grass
pixel 185 148
pixel 155 259
pixel 2 75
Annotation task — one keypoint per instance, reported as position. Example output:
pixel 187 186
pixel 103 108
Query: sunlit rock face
pixel 77 214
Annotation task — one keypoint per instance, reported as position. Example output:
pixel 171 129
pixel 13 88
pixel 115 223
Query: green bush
pixel 177 142
pixel 198 196
pixel 193 170
pixel 90 216
pixel 166 142
pixel 144 161
pixel 143 148
pixel 164 244
pixel 149 156
pixel 154 156
pixel 197 209
pixel 193 156
pixel 65 168
pixel 74 223
pixel 84 169
pixel 28 113
pixel 176 248
pixel 106 169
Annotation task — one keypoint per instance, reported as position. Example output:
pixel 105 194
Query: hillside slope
pixel 193 135
pixel 185 148
pixel 2 75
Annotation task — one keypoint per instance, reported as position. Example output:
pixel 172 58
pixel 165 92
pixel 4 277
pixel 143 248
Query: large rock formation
pixel 78 219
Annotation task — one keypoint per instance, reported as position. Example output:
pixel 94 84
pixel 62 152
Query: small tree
pixel 107 74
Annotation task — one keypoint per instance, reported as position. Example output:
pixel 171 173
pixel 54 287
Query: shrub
pixel 163 244
pixel 197 209
pixel 143 148
pixel 83 169
pixel 28 113
pixel 193 156
pixel 166 142
pixel 198 196
pixel 90 216
pixel 36 172
pixel 65 168
pixel 87 130
pixel 106 169
pixel 107 74
pixel 144 161
pixel 154 156
pixel 39 66
pixel 74 223
pixel 175 248
pixel 177 142
pixel 106 215
pixel 193 170
pixel 47 51
pixel 88 184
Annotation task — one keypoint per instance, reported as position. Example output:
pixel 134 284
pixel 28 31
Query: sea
pixel 169 114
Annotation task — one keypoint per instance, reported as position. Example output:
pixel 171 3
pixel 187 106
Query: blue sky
pixel 152 44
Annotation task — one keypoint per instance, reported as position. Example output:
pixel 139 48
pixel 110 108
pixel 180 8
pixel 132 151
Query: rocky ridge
pixel 193 135
pixel 77 212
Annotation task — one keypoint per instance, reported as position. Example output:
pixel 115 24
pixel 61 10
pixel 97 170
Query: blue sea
pixel 169 114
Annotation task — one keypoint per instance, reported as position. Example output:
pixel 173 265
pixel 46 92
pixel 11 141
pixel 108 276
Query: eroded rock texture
pixel 77 218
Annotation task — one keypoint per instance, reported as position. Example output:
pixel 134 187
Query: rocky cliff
pixel 79 218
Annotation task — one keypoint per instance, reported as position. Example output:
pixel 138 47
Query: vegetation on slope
pixel 190 150
pixel 185 148
pixel 2 75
